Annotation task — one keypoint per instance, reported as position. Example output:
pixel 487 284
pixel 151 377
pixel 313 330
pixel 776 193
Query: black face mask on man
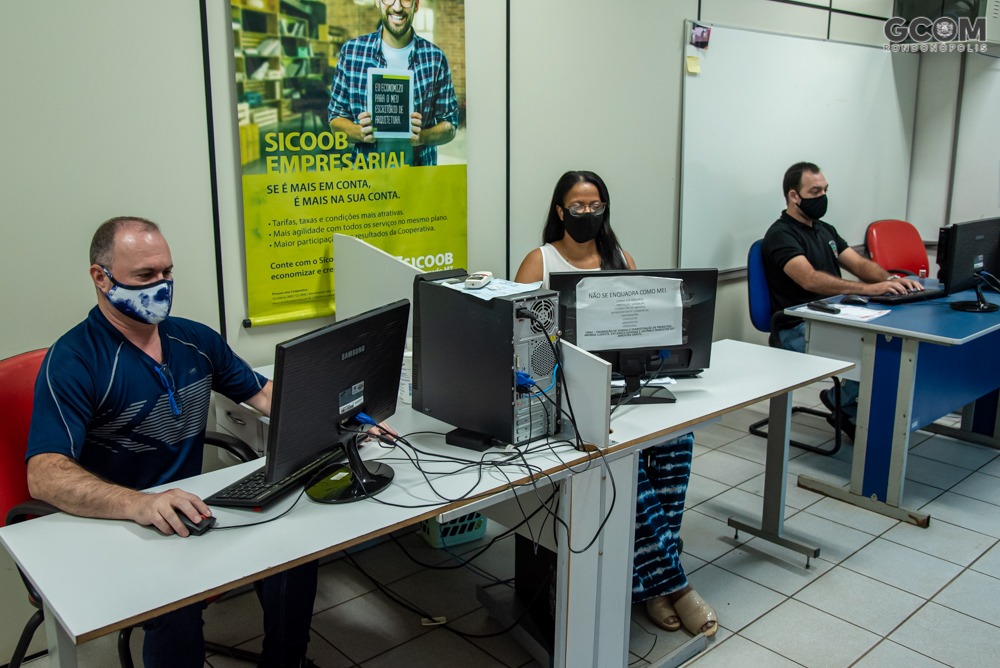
pixel 813 207
pixel 583 227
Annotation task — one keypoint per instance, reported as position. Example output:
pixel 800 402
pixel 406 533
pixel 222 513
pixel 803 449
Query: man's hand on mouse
pixel 160 510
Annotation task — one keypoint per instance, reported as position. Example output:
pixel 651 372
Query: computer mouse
pixel 854 299
pixel 199 527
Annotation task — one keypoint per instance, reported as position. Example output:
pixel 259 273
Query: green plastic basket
pixel 462 530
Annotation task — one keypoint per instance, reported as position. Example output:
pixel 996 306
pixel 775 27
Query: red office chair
pixel 17 398
pixel 896 246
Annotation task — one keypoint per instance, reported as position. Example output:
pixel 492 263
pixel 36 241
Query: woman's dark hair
pixel 607 243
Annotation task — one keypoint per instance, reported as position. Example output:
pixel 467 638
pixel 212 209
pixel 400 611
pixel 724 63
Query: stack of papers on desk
pixel 848 312
pixel 498 287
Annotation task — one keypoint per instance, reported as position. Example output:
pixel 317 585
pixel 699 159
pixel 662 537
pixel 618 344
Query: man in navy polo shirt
pixel 121 403
pixel 802 260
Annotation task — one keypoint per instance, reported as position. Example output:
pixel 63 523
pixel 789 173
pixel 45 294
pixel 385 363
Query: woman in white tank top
pixel 578 237
pixel 577 234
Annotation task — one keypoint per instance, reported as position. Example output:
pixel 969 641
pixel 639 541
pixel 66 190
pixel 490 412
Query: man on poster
pixel 395 45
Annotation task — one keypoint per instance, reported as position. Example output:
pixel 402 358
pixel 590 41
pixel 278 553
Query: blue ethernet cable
pixel 555 371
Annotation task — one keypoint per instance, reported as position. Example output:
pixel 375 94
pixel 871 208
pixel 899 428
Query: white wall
pixel 602 95
pixel 977 153
pixel 107 117
pixel 103 115
pixel 937 93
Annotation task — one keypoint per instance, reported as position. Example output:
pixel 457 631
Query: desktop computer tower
pixel 535 587
pixel 466 352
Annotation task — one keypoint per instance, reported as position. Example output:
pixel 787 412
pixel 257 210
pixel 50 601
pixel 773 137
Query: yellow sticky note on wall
pixel 693 65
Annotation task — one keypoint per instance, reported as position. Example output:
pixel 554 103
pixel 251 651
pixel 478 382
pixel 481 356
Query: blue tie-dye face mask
pixel 146 303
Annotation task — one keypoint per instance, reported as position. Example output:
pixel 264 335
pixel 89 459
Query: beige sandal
pixel 695 614
pixel 662 613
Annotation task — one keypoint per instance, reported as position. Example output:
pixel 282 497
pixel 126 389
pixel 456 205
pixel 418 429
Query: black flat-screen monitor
pixel 966 251
pixel 617 344
pixel 322 381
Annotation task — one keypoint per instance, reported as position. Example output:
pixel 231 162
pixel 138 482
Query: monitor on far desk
pixel 969 253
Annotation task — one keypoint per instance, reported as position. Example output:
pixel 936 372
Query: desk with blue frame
pixel 916 364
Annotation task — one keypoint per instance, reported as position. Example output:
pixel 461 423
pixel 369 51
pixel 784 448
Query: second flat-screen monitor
pixel 966 252
pixel 647 322
pixel 322 381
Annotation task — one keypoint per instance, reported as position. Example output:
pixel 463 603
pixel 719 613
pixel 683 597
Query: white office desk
pixel 740 375
pixel 98 576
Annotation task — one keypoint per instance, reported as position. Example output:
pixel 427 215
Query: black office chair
pixel 17 390
pixel 761 316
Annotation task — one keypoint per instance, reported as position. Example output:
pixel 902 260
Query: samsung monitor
pixel 322 381
pixel 646 323
pixel 966 253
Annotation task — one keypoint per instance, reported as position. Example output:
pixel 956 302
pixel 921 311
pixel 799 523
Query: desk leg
pixel 980 423
pixel 885 403
pixel 62 651
pixel 594 587
pixel 901 424
pixel 773 516
pixel 983 419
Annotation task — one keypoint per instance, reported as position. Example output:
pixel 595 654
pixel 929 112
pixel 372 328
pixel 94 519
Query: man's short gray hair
pixel 102 246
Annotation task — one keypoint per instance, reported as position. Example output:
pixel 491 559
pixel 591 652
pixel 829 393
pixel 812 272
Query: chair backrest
pixel 758 292
pixel 17 397
pixel 896 245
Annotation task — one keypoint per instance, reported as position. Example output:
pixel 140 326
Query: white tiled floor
pixel 882 593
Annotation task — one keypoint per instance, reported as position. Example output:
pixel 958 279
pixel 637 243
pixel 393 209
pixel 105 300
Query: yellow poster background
pixel 303 183
pixel 417 214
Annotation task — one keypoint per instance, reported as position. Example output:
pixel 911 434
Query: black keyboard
pixel 906 298
pixel 252 491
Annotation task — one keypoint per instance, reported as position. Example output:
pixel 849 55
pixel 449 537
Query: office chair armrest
pixel 772 333
pixel 22 512
pixel 231 444
pixel 30 509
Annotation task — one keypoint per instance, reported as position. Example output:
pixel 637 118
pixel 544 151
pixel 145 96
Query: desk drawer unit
pixel 242 422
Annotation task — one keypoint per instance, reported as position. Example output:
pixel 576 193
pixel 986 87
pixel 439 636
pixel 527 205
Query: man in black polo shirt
pixel 802 261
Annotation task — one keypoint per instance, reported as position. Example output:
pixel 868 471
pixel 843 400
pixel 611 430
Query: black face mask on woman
pixel 814 207
pixel 582 227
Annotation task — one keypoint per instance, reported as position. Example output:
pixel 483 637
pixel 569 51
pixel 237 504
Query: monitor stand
pixel 351 481
pixel 634 389
pixel 978 306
